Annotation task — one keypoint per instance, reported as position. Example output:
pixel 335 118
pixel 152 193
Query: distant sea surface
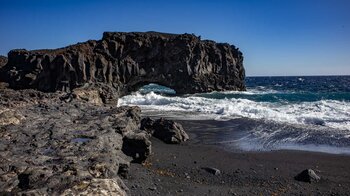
pixel 301 113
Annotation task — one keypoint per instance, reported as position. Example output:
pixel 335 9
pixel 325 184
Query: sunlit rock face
pixel 127 61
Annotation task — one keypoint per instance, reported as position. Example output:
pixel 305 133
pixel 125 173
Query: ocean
pixel 297 113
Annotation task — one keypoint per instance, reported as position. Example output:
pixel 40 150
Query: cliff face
pixel 127 61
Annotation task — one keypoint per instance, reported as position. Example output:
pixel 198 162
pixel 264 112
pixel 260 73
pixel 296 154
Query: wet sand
pixel 179 169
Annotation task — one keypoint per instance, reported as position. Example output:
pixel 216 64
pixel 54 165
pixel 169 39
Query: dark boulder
pixel 166 130
pixel 127 61
pixel 147 125
pixel 307 175
pixel 138 146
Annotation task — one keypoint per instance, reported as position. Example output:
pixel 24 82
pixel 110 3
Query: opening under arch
pixel 156 88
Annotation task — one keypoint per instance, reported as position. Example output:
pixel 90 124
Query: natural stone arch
pixel 125 61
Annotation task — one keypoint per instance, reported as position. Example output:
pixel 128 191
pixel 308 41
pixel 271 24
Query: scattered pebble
pixel 152 188
pixel 212 170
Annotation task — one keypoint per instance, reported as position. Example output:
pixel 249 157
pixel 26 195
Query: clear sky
pixel 277 37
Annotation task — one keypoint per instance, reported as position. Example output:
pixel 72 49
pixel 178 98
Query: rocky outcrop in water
pixel 126 61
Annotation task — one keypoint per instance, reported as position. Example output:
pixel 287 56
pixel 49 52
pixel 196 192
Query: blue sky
pixel 277 37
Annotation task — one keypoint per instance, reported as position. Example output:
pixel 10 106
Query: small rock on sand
pixel 307 175
pixel 212 170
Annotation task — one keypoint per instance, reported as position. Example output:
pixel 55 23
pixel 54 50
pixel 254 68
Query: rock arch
pixel 125 61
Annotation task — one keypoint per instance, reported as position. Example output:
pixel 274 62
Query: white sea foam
pixel 250 146
pixel 325 113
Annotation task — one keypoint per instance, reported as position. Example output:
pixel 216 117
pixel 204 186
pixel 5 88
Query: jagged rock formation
pixel 50 147
pixel 54 142
pixel 127 61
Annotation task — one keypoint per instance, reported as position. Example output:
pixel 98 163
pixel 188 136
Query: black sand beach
pixel 180 170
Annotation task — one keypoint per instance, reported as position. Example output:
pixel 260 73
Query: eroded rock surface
pixel 105 187
pixel 127 61
pixel 50 146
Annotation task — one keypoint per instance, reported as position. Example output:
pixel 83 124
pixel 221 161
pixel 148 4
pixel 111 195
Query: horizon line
pixel 297 75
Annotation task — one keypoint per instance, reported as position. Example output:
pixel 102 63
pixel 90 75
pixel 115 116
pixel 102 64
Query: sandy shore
pixel 179 170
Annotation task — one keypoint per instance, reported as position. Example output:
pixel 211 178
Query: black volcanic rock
pixel 63 139
pixel 307 175
pixel 137 146
pixel 169 131
pixel 166 130
pixel 3 61
pixel 50 147
pixel 127 61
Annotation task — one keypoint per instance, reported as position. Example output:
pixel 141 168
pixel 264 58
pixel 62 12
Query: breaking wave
pixel 300 113
pixel 325 113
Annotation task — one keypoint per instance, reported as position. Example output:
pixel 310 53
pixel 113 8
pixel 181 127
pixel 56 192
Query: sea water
pixel 303 113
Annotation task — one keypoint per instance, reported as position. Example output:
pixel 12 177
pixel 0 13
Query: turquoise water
pixel 292 89
pixel 310 112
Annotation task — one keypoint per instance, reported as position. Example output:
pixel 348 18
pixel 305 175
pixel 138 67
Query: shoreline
pixel 79 147
pixel 228 135
pixel 178 170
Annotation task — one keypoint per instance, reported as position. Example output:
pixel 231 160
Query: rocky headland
pixel 126 61
pixel 61 131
